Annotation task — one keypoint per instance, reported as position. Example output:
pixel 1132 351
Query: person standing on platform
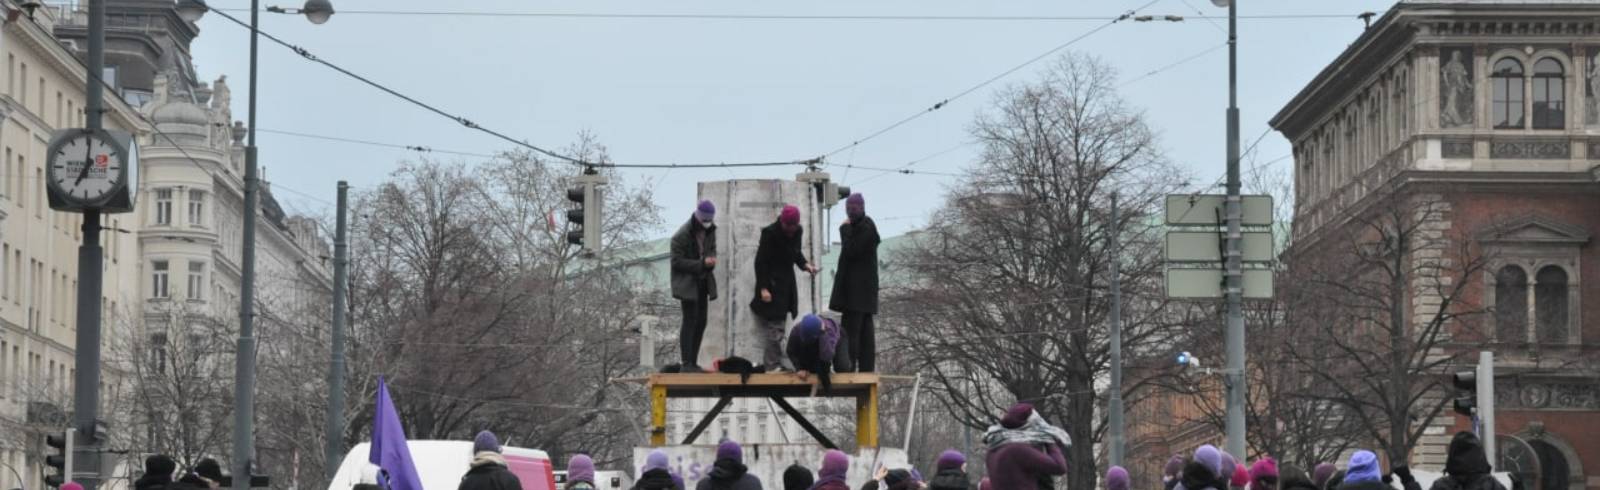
pixel 777 297
pixel 694 257
pixel 855 287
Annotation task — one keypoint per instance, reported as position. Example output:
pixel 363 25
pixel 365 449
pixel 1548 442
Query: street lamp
pixel 316 11
pixel 244 374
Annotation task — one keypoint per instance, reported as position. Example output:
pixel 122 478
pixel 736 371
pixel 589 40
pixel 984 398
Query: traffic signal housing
pixel 587 216
pixel 1466 383
pixel 59 458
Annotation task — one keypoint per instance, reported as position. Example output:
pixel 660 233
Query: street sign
pixel 1206 246
pixel 1207 210
pixel 1207 283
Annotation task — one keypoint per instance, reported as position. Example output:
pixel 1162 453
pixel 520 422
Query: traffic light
pixel 60 458
pixel 1466 402
pixel 587 215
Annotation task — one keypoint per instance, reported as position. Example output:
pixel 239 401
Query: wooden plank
pixel 764 379
pixel 804 424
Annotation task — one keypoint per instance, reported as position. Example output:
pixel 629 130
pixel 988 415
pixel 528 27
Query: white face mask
pixel 706 223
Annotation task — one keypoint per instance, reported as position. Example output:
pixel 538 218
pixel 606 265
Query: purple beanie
pixel 706 211
pixel 1117 479
pixel 657 460
pixel 856 199
pixel 1017 415
pixel 580 468
pixel 1322 473
pixel 485 441
pixel 730 450
pixel 677 480
pixel 790 216
pixel 810 327
pixel 835 463
pixel 1225 469
pixel 950 459
pixel 1211 458
pixel 1174 467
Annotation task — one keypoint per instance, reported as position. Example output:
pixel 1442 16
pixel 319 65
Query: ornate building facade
pixel 1490 110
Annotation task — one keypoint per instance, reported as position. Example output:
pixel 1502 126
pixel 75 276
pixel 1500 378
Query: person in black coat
pixel 694 256
pixel 777 297
pixel 489 470
pixel 855 287
pixel 1466 466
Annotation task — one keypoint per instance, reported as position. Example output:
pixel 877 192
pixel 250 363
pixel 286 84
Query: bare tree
pixel 1008 298
pixel 1380 297
pixel 178 397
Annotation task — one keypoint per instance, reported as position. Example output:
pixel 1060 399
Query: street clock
pixel 90 170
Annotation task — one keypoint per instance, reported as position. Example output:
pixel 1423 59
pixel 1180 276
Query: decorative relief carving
pixel 1538 150
pixel 1550 395
pixel 1458 149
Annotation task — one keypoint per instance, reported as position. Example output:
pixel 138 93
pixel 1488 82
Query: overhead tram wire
pixel 304 53
pixel 415 148
pixel 941 104
pixel 787 17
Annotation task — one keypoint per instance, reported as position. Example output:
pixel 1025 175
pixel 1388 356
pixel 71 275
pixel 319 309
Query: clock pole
pixel 86 391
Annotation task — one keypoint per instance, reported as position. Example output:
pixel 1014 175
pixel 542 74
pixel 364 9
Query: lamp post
pixel 1233 375
pixel 317 11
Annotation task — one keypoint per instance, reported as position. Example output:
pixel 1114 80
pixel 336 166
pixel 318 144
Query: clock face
pixel 86 168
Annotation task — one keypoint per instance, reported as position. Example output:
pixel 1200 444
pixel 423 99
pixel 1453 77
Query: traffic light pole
pixel 1486 403
pixel 1233 273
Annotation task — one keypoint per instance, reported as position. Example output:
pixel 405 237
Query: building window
pixel 1511 304
pixel 197 274
pixel 1550 304
pixel 1507 76
pixel 163 206
pixel 158 279
pixel 197 205
pixel 1549 94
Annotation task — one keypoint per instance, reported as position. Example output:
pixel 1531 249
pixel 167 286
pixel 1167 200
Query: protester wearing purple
pixel 1173 472
pixel 811 348
pixel 580 473
pixel 489 470
pixel 694 258
pixel 1025 451
pixel 1322 473
pixel 1200 473
pixel 855 286
pixel 777 296
pixel 1117 478
pixel 729 471
pixel 950 472
pixel 833 473
pixel 656 475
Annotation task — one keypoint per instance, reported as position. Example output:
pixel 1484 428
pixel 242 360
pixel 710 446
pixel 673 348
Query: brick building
pixel 1490 110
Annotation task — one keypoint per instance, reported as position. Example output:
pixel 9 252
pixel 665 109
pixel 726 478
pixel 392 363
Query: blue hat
pixel 810 327
pixel 485 441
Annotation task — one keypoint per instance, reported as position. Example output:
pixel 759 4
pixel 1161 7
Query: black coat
pixel 489 475
pixel 729 475
pixel 657 479
pixel 689 271
pixel 855 280
pixel 950 480
pixel 777 256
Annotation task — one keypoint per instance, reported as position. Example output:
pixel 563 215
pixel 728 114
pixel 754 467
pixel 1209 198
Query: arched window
pixel 1549 94
pixel 1550 297
pixel 1507 77
pixel 1511 304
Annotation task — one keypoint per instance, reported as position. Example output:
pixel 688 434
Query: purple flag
pixel 389 449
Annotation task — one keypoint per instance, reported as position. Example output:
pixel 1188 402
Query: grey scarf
pixel 1035 431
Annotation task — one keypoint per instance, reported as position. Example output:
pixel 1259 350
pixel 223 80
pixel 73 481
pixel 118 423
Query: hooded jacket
pixel 489 472
pixel 656 479
pixel 689 271
pixel 1467 467
pixel 727 474
pixel 951 479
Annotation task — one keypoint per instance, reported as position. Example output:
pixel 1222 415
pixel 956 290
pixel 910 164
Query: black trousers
pixel 694 329
pixel 860 342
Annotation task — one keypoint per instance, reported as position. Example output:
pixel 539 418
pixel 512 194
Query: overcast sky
pixel 726 90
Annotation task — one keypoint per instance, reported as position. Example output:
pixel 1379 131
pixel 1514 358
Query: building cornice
pixel 49 49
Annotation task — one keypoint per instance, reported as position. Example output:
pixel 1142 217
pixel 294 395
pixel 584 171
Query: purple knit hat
pixel 1322 473
pixel 580 468
pixel 950 459
pixel 1173 469
pixel 657 460
pixel 1211 458
pixel 1017 415
pixel 855 205
pixel 706 211
pixel 730 450
pixel 790 216
pixel 485 441
pixel 1117 479
pixel 835 463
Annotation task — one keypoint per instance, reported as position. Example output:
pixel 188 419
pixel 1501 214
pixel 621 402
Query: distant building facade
pixel 1492 110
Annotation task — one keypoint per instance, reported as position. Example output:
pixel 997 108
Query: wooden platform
pixel 863 387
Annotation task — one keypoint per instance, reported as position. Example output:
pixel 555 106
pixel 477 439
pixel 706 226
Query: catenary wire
pixel 304 53
pixel 943 103
pixel 789 17
pixel 415 148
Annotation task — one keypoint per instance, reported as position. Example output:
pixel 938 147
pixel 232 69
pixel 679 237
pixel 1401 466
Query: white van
pixel 440 465
pixel 603 480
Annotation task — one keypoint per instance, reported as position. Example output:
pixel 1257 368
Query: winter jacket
pixel 657 479
pixel 146 483
pixel 1466 467
pixel 855 283
pixel 953 479
pixel 1197 476
pixel 727 474
pixel 1019 466
pixel 489 472
pixel 1365 485
pixel 809 355
pixel 689 271
pixel 777 256
pixel 832 485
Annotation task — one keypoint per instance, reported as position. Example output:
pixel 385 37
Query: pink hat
pixel 790 216
pixel 1241 476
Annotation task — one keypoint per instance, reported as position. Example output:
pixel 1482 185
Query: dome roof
pixel 181 113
